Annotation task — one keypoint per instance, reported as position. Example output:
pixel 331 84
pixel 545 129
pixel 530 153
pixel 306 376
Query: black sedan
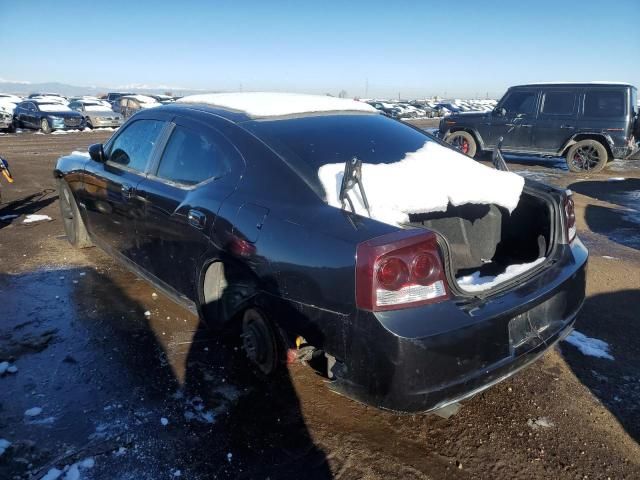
pixel 219 202
pixel 47 116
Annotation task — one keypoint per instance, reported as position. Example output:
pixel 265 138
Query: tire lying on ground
pixel 464 142
pixel 74 226
pixel 587 156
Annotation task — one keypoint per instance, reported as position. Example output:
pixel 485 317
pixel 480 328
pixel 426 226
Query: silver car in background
pixel 97 113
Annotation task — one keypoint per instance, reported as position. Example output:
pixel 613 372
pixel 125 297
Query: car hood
pixel 103 113
pixel 63 114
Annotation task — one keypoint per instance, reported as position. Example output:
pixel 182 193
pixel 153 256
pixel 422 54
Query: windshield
pixel 53 107
pixel 307 143
pixel 96 107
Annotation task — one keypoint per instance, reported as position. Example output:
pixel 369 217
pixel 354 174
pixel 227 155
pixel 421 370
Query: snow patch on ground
pixel 541 422
pixel 6 367
pixel 33 412
pixel 427 180
pixel 476 283
pixel 70 472
pixel 592 347
pixel 36 218
pixel 270 104
pixel 4 444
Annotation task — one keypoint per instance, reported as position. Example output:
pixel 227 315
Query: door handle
pixel 196 219
pixel 568 127
pixel 127 190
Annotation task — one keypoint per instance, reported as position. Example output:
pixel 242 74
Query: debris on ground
pixel 540 422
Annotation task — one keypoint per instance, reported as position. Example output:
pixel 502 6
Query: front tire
pixel 44 126
pixel 464 142
pixel 74 227
pixel 587 156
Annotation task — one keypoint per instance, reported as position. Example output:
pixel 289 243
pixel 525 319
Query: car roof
pixel 574 84
pixel 262 105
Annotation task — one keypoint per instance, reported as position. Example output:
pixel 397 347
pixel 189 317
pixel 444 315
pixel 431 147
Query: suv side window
pixel 133 147
pixel 560 102
pixel 191 157
pixel 604 103
pixel 520 102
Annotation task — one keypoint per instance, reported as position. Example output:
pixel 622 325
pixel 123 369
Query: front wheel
pixel 587 156
pixel 74 226
pixel 44 126
pixel 464 142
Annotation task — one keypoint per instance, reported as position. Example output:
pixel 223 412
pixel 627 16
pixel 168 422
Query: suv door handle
pixel 569 127
pixel 127 190
pixel 196 219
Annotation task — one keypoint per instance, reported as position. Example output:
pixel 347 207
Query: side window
pixel 520 102
pixel 559 103
pixel 133 147
pixel 191 157
pixel 604 104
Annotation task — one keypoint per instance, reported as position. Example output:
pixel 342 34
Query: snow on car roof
pixel 596 82
pixel 272 104
pixel 142 98
pixel 427 180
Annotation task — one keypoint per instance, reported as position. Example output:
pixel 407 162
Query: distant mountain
pixel 25 88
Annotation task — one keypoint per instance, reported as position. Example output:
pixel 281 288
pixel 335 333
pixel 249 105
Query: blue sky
pixel 419 48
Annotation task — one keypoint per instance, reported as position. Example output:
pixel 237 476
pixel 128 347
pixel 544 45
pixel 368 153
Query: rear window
pixel 317 140
pixel 604 104
pixel 559 103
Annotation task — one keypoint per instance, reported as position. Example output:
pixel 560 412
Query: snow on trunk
pixel 426 180
pixel 476 283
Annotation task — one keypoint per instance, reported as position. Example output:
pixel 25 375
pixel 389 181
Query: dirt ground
pixel 129 385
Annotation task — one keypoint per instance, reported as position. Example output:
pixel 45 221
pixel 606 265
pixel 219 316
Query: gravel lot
pixel 132 381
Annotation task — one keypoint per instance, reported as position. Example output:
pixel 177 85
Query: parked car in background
pixel 130 104
pixel 6 118
pixel 47 116
pixel 113 97
pixel 9 98
pixel 589 124
pixel 386 296
pixel 97 113
pixel 49 99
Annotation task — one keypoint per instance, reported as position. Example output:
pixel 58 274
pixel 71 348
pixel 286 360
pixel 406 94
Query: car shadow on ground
pixel 621 225
pixel 612 317
pixel 140 385
pixel 27 205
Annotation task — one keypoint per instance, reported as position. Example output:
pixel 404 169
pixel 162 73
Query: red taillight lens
pixel 570 216
pixel 399 270
pixel 392 273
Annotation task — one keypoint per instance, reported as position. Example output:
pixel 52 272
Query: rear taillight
pixel 569 216
pixel 399 270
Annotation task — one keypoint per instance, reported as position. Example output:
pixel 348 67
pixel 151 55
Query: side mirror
pixel 97 153
pixel 500 112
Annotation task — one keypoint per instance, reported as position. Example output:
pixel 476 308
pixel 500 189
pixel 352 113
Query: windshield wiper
pixel 352 176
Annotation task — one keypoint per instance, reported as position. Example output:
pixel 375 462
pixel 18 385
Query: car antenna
pixel 352 176
pixel 497 159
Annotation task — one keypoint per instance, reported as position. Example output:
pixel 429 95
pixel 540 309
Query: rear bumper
pixel 417 360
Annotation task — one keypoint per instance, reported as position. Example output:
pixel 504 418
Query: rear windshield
pixel 322 139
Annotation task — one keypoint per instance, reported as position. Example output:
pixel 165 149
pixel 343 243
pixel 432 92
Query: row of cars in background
pixel 50 111
pixel 429 108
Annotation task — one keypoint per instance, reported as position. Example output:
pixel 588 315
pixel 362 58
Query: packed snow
pixel 427 180
pixel 70 472
pixel 476 283
pixel 36 218
pixel 269 104
pixel 592 347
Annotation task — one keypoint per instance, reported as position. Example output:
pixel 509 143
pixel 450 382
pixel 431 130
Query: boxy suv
pixel 588 123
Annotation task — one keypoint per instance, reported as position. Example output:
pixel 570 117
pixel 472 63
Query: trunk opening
pixel 485 241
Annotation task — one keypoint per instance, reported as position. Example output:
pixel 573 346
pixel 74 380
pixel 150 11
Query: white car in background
pixel 97 113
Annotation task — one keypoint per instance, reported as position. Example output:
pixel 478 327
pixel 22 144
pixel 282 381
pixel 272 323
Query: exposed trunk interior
pixel 487 239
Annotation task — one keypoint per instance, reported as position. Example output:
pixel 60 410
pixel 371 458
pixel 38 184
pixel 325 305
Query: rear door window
pixel 133 147
pixel 605 104
pixel 193 156
pixel 520 102
pixel 560 102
